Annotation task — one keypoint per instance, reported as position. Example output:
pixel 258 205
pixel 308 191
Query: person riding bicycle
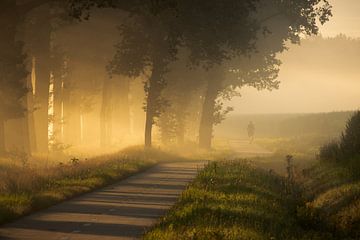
pixel 251 131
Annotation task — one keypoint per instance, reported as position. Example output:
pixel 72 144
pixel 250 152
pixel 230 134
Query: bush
pixel 349 145
pixel 350 141
pixel 330 152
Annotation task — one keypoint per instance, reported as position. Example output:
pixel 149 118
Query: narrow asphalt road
pixel 121 211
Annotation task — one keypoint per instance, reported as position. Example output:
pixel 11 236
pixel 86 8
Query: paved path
pixel 243 147
pixel 121 211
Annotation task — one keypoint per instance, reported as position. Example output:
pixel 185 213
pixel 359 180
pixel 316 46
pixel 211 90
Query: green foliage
pixel 332 192
pixel 220 112
pixel 330 152
pixel 168 127
pixel 348 147
pixel 12 80
pixel 350 141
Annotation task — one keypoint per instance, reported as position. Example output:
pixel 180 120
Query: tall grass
pixel 332 196
pixel 40 183
pixel 347 149
pixel 234 200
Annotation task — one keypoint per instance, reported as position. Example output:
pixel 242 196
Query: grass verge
pixel 332 195
pixel 25 189
pixel 234 200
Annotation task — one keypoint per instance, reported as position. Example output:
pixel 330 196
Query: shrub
pixel 350 141
pixel 330 152
pixel 349 145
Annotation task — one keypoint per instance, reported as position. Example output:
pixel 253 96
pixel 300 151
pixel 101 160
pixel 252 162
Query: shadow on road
pixel 121 211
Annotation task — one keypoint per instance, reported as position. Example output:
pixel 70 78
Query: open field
pixel 296 134
pixel 284 125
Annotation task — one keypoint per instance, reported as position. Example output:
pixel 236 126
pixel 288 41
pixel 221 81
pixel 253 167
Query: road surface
pixel 243 147
pixel 122 211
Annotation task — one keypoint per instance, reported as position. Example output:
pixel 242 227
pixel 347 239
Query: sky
pixel 302 90
pixel 346 18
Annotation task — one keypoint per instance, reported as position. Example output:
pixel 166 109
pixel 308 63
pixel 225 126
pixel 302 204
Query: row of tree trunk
pixel 47 82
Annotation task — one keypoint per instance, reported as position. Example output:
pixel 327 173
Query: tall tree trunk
pixel 41 50
pixel 74 123
pixel 120 115
pixel 28 120
pixel 148 124
pixel 105 114
pixel 180 133
pixel 125 105
pixel 207 116
pixel 155 86
pixel 65 106
pixel 9 21
pixel 182 114
pixel 27 123
pixel 57 107
pixel 42 98
pixel 30 105
pixel 2 137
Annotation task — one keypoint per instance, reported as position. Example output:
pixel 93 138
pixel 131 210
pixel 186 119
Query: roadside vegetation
pixel 242 199
pixel 332 187
pixel 234 200
pixel 38 183
pixel 331 195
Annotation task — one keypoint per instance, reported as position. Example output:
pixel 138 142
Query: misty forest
pixel 179 119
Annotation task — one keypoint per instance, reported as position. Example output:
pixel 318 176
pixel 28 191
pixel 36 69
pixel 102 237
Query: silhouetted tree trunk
pixel 30 108
pixel 148 124
pixel 30 128
pixel 120 116
pixel 2 136
pixel 153 102
pixel 41 50
pixel 74 122
pixel 28 121
pixel 58 101
pixel 182 114
pixel 207 115
pixel 42 97
pixel 105 114
pixel 65 129
pixel 12 68
pixel 180 133
pixel 124 105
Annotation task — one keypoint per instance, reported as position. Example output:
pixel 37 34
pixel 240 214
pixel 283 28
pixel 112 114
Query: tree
pixel 259 68
pixel 39 44
pixel 213 31
pixel 184 85
pixel 12 68
pixel 224 82
pixel 145 48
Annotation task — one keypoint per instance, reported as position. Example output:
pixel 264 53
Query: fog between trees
pixel 89 74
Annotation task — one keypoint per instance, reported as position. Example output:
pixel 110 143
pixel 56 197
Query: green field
pixel 284 125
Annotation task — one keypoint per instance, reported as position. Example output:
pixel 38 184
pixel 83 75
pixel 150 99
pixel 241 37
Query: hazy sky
pixel 304 90
pixel 346 18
